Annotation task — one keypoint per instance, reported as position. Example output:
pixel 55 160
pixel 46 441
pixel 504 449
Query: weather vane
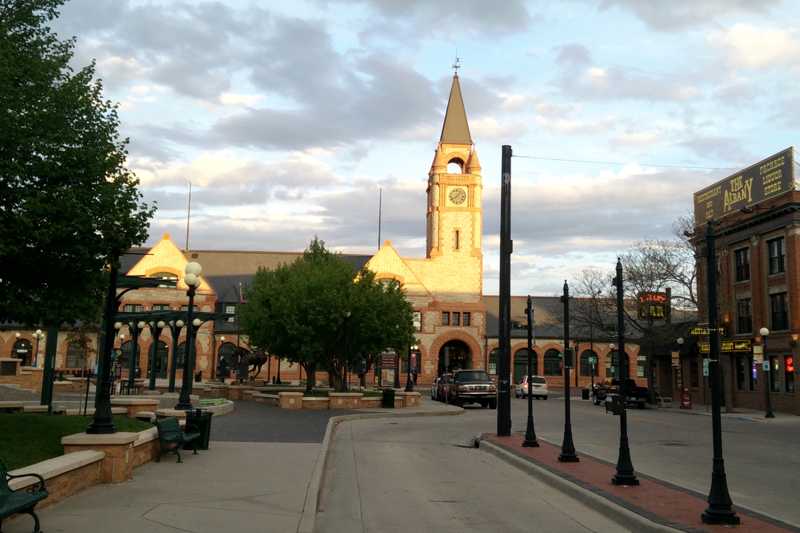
pixel 456 65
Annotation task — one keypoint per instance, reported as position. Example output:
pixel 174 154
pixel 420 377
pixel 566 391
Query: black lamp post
pixel 135 328
pixel 38 335
pixel 175 327
pixel 156 327
pixel 625 474
pixel 766 372
pixel 720 507
pixel 530 433
pixel 567 446
pixel 192 280
pixel 409 382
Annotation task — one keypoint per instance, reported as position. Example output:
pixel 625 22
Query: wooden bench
pixel 20 501
pixel 172 438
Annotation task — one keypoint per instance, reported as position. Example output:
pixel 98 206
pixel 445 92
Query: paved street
pixel 760 456
pixel 420 474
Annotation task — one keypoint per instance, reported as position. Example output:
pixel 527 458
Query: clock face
pixel 458 196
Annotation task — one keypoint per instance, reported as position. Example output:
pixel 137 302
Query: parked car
pixel 635 395
pixel 471 386
pixel 538 388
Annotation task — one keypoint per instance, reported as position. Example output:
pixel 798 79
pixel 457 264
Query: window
pixel 612 364
pixel 418 321
pixel 133 308
pixel 788 373
pixel 588 363
pixel 641 361
pixel 76 355
pixel 694 373
pixel 166 276
pixel 160 307
pixel 776 255
pixel 230 310
pixel 185 307
pixel 180 355
pixel 445 318
pixel 778 311
pixel 457 239
pixel 466 318
pixel 493 361
pixel 125 355
pixel 456 318
pixel 742 259
pixel 742 367
pixel 552 363
pixel 744 316
pixel 774 366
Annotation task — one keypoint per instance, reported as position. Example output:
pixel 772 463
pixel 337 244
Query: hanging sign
pixel 758 354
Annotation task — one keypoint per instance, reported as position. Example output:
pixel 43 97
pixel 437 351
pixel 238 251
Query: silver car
pixel 538 388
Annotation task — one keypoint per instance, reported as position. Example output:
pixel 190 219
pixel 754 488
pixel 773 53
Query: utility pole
pixel 506 248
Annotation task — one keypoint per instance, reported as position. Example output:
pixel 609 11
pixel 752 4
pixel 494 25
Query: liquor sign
pixel 766 179
pixel 653 305
pixel 728 346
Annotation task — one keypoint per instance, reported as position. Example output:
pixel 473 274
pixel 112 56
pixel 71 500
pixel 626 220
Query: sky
pixel 287 117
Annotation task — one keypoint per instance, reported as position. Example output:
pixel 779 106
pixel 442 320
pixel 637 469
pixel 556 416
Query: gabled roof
pixel 455 129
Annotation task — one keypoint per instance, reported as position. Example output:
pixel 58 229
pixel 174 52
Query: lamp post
pixel 567 446
pixel 155 332
pixel 135 329
pixel 530 432
pixel 593 367
pixel 175 327
pixel 679 371
pixel 192 280
pixel 720 507
pixel 625 474
pixel 409 383
pixel 38 335
pixel 766 369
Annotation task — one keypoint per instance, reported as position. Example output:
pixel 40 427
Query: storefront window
pixel 493 361
pixel 641 362
pixel 788 373
pixel 552 363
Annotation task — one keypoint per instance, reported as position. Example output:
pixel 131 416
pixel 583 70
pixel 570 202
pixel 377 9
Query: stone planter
pixel 315 403
pixel 290 400
pixel 345 400
pixel 135 405
pixel 118 462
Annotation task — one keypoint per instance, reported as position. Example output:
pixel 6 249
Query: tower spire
pixel 455 129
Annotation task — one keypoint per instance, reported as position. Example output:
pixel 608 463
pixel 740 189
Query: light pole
pixel 765 366
pixel 155 332
pixel 38 335
pixel 192 280
pixel 720 507
pixel 175 327
pixel 625 474
pixel 135 329
pixel 679 368
pixel 530 432
pixel 409 383
pixel 567 446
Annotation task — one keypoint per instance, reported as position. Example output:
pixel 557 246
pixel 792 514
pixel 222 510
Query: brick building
pixel 756 216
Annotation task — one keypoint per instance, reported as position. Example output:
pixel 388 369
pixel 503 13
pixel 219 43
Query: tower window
pixel 457 239
pixel 455 166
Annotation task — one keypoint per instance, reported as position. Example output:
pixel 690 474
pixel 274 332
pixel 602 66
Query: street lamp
pixel 38 335
pixel 567 446
pixel 155 332
pixel 135 329
pixel 530 432
pixel 175 327
pixel 409 383
pixel 192 280
pixel 677 365
pixel 766 373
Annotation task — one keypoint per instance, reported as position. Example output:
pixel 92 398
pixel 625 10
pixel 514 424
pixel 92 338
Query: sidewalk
pixel 658 501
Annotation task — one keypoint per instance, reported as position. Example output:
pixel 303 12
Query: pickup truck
pixel 635 395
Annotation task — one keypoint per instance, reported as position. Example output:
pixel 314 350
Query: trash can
pixel 199 421
pixel 388 398
pixel 584 394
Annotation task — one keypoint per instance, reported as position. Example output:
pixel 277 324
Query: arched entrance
pixel 160 363
pixel 226 356
pixel 454 355
pixel 22 350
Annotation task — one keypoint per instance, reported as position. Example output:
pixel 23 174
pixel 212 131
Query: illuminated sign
pixel 728 346
pixel 653 305
pixel 766 179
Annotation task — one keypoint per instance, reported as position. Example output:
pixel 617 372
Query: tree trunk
pixel 311 375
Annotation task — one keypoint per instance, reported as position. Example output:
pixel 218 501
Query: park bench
pixel 171 437
pixel 20 501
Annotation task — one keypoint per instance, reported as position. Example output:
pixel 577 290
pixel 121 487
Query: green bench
pixel 172 438
pixel 20 501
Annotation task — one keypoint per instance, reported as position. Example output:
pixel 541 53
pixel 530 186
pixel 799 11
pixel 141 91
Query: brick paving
pixel 656 500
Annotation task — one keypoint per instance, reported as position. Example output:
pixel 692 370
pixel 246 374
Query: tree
pixel 68 205
pixel 321 313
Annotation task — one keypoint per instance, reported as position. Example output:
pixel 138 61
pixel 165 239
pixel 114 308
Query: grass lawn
pixel 29 438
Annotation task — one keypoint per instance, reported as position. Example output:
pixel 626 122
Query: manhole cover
pixel 672 443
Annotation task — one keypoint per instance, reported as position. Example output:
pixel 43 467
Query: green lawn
pixel 29 438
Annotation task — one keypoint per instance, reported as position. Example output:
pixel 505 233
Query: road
pixel 420 474
pixel 414 469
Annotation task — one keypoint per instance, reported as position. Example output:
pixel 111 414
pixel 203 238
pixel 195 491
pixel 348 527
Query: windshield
pixel 472 375
pixel 537 379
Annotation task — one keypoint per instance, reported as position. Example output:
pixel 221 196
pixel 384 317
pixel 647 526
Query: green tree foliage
pixel 321 313
pixel 68 205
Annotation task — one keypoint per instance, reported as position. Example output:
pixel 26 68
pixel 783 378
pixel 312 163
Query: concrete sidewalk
pixel 235 487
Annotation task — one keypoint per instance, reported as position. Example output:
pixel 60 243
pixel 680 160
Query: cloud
pixel 676 15
pixel 748 46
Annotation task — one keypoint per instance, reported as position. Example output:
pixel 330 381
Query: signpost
pixel 766 179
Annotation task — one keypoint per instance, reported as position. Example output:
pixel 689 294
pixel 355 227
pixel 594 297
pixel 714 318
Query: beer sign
pixel 653 305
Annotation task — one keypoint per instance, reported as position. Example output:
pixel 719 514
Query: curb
pixel 624 517
pixel 308 519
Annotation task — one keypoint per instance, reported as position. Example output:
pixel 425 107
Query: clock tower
pixel 454 208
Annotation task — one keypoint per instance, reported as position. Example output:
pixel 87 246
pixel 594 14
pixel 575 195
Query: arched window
pixel 166 276
pixel 160 365
pixel 22 349
pixel 612 364
pixel 521 364
pixel 125 354
pixel 455 166
pixel 552 362
pixel 586 363
pixel 493 355
pixel 76 355
pixel 180 355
